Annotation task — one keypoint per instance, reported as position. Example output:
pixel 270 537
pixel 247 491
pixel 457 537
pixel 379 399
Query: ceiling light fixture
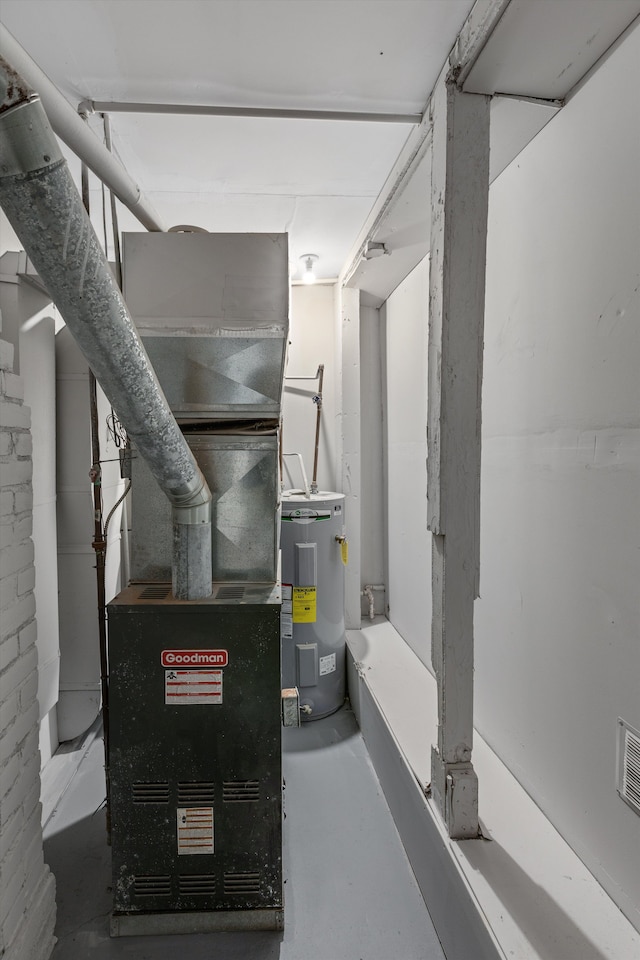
pixel 308 261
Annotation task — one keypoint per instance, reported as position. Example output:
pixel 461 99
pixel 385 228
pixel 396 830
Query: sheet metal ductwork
pixel 194 744
pixel 42 203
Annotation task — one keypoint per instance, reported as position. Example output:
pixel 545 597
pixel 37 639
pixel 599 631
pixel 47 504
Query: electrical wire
pixel 111 513
pixel 116 431
pixel 104 221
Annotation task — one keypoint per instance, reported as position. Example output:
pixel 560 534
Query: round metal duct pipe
pixel 73 131
pixel 42 203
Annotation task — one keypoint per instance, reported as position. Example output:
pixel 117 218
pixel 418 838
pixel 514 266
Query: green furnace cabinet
pixel 195 760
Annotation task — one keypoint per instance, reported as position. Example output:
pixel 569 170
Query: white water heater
pixel 313 544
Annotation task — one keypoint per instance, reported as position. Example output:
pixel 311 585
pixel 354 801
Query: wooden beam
pixel 459 200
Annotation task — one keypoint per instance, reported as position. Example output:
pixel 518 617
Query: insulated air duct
pixel 42 203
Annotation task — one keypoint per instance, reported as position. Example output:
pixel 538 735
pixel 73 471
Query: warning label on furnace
pixel 195 830
pixel 192 686
pixel 304 604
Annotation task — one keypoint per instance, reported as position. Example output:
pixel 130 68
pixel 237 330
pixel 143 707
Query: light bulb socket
pixel 308 261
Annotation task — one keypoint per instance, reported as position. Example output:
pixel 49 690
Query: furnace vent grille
pixel 195 791
pixel 155 592
pixel 241 791
pixel 152 886
pixel 241 883
pixel 629 765
pixel 150 792
pixel 197 884
pixel 233 592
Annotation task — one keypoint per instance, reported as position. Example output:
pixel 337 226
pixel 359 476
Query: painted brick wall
pixel 27 887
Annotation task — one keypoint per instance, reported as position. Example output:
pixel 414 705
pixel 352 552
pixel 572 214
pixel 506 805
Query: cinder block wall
pixel 27 887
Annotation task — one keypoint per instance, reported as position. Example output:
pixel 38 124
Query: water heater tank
pixel 312 625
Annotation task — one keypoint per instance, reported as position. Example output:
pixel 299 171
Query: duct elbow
pixel 194 507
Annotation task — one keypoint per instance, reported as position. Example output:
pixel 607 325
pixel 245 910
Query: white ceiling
pixel 544 48
pixel 538 54
pixel 317 179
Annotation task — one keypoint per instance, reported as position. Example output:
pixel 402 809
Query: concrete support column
pixel 459 200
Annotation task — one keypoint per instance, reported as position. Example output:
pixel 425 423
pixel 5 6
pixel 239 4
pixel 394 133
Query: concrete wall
pixel 557 655
pixel 37 351
pixel 27 887
pixel 336 330
pixel 409 543
pixel 557 626
pixel 373 480
pixel 311 342
pixel 79 644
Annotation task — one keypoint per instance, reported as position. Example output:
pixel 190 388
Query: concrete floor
pixel 349 890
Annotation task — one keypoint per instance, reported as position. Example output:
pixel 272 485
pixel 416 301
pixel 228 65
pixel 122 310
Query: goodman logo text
pixel 195 658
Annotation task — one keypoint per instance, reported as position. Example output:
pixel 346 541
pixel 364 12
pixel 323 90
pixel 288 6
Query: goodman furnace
pixel 194 685
pixel 195 760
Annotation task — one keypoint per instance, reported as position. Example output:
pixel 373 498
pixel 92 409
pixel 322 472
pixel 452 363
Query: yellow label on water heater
pixel 304 604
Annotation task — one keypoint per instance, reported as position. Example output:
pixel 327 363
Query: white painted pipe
pixel 368 593
pixel 305 482
pixel 272 113
pixel 70 127
pixel 43 206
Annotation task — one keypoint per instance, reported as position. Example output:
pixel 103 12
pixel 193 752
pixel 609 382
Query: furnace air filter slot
pixel 157 792
pixel 235 592
pixel 155 592
pixel 241 791
pixel 196 884
pixel 241 883
pixel 194 792
pixel 149 886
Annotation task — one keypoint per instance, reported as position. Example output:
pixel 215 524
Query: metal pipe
pixel 318 402
pixel 74 132
pixel 117 256
pixel 271 113
pixel 100 547
pixel 367 591
pixel 317 399
pixel 305 482
pixel 42 203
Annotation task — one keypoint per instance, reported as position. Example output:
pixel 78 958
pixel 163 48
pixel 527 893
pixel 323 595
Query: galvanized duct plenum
pixel 42 203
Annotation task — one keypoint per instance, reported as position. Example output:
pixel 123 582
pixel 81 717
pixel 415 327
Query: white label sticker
pixel 192 686
pixel 286 625
pixel 327 664
pixel 195 830
pixel 287 591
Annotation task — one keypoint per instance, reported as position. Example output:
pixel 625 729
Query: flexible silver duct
pixel 42 203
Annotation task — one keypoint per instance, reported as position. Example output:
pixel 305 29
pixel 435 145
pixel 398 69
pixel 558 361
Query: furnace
pixel 194 685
